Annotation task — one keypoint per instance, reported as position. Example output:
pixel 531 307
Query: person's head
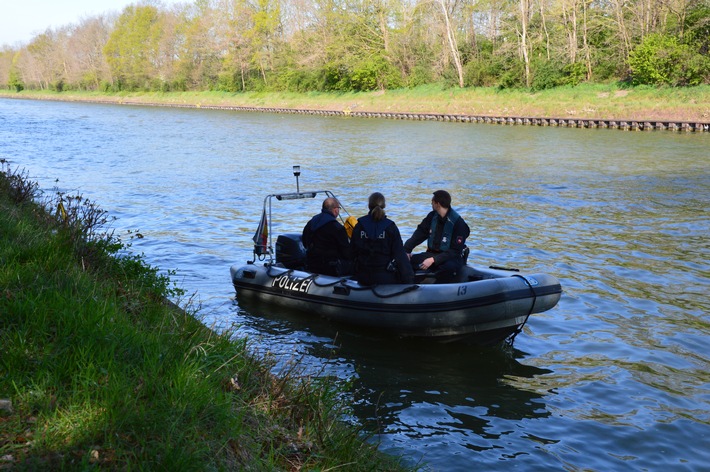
pixel 443 198
pixel 331 205
pixel 376 204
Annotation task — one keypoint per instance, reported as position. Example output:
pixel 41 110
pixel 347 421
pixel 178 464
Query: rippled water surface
pixel 616 377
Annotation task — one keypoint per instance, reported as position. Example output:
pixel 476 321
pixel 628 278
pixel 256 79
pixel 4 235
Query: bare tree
pixel 524 46
pixel 585 42
pixel 569 20
pixel 87 64
pixel 44 60
pixel 543 19
pixel 621 26
pixel 451 37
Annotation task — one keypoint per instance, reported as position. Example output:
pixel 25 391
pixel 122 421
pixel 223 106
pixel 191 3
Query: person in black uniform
pixel 375 243
pixel 445 232
pixel 326 242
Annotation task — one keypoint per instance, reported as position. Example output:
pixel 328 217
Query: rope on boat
pixel 532 307
pixel 315 281
pixel 401 292
pixel 380 295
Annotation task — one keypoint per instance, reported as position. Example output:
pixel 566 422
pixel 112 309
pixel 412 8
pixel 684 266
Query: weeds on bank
pixel 601 101
pixel 98 370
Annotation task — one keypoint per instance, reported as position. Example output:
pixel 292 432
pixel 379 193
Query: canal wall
pixel 621 124
pixel 631 125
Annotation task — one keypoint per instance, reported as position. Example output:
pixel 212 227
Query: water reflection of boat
pixel 487 376
pixel 490 379
pixel 449 406
pixel 485 305
pixel 433 403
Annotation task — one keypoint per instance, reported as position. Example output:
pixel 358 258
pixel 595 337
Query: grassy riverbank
pixel 585 101
pixel 98 370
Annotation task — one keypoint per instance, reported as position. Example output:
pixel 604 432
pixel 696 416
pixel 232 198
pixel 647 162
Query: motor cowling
pixel 290 251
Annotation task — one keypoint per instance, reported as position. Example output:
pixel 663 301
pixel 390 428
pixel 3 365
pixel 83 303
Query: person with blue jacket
pixel 445 233
pixel 377 249
pixel 326 242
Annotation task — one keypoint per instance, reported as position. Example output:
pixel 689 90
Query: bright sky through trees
pixel 360 45
pixel 20 21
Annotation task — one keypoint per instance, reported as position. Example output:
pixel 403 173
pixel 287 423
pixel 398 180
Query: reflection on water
pixel 465 400
pixel 613 378
pixel 410 394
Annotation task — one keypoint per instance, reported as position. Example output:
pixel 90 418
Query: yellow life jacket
pixel 349 224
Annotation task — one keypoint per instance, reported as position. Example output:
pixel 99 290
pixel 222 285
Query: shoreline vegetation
pixel 604 102
pixel 97 370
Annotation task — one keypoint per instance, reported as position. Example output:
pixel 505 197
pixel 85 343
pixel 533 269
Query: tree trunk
pixel 524 10
pixel 452 43
pixel 587 54
pixel 544 28
pixel 622 28
pixel 569 20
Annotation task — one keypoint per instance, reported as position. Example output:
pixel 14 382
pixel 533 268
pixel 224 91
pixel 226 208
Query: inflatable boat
pixel 485 305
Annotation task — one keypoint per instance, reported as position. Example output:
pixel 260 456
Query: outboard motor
pixel 290 251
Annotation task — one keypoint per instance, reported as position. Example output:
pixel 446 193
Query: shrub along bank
pixel 98 370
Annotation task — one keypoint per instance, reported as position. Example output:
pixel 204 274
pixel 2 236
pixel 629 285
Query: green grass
pixel 98 370
pixel 600 101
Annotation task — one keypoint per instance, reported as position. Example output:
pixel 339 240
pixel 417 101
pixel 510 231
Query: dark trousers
pixel 336 268
pixel 376 277
pixel 445 273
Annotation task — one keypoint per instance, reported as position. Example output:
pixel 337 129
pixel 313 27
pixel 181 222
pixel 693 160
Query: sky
pixel 22 20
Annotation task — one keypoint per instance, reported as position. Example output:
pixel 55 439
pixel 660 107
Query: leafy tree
pixel 697 26
pixel 203 32
pixel 547 74
pixel 6 55
pixel 346 45
pixel 663 60
pixel 265 18
pixel 132 48
pixel 14 80
pixel 486 69
pixel 375 73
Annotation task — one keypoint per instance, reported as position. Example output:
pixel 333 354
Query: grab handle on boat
pixel 497 267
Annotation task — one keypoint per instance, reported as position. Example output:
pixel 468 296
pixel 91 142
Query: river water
pixel 616 377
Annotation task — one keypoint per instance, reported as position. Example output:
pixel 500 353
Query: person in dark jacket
pixel 326 242
pixel 375 244
pixel 445 233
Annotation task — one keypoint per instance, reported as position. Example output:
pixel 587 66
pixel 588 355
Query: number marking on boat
pixel 531 280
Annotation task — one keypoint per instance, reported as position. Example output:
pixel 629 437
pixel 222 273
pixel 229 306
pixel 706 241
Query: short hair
pixel 330 203
pixel 443 198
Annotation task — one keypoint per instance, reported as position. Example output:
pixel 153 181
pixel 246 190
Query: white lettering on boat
pixel 292 283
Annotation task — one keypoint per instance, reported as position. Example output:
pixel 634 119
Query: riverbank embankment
pixel 98 371
pixel 589 106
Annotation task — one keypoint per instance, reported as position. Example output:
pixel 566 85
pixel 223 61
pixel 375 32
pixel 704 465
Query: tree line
pixel 362 45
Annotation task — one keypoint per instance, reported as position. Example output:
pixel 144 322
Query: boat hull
pixel 486 306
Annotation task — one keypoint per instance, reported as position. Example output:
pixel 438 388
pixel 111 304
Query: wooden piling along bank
pixel 633 125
